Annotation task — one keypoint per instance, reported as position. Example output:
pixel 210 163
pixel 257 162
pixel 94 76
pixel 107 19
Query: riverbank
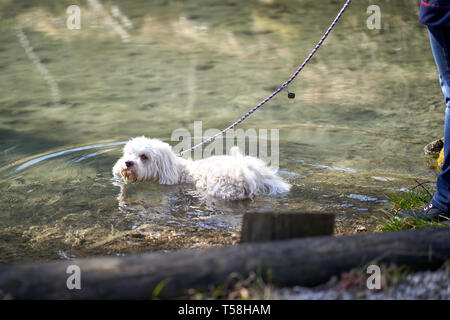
pixel 397 283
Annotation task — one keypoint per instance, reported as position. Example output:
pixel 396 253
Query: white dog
pixel 231 177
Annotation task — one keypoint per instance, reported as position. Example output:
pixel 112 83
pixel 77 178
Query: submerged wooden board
pixel 307 261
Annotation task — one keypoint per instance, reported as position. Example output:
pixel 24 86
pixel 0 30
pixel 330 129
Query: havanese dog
pixel 229 177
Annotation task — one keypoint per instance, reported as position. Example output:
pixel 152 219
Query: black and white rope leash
pixel 283 86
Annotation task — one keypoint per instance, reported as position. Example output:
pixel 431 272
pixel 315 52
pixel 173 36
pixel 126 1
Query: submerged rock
pixel 434 147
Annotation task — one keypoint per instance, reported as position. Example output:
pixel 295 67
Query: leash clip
pixel 291 95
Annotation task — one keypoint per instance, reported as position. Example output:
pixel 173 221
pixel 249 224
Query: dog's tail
pixel 235 152
pixel 276 185
pixel 261 178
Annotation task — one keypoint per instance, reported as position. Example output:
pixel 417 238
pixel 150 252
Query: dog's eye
pixel 143 157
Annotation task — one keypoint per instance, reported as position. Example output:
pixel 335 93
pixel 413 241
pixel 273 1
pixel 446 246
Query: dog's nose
pixel 129 163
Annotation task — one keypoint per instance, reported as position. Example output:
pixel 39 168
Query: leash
pixel 291 95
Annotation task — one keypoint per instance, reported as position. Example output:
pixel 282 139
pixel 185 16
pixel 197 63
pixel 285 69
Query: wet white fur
pixel 231 177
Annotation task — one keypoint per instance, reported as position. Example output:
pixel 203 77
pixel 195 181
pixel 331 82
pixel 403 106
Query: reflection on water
pixel 365 106
pixel 57 154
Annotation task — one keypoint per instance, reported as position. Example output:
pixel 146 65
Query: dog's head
pixel 147 159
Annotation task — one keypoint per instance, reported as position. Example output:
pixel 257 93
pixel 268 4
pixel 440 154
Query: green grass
pixel 407 200
pixel 158 288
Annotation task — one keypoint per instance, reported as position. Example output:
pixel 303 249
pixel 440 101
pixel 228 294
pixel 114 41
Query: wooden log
pixel 268 226
pixel 307 262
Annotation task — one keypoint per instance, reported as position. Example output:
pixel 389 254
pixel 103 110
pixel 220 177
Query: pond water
pixel 365 106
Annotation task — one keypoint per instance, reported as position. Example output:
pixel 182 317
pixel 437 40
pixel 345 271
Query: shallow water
pixel 365 106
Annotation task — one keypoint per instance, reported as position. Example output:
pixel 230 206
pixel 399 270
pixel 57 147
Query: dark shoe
pixel 430 212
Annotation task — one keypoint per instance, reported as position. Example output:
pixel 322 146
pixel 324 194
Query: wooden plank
pixel 307 262
pixel 268 226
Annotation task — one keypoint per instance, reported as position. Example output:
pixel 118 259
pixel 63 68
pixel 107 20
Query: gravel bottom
pixel 434 285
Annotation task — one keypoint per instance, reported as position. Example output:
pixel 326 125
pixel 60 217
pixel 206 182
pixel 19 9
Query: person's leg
pixel 440 204
pixel 440 45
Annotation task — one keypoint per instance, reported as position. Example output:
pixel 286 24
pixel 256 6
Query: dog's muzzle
pixel 129 171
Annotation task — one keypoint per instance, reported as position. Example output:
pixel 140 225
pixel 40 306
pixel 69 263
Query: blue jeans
pixel 440 45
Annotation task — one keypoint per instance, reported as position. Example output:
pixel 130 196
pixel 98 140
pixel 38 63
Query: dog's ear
pixel 168 166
